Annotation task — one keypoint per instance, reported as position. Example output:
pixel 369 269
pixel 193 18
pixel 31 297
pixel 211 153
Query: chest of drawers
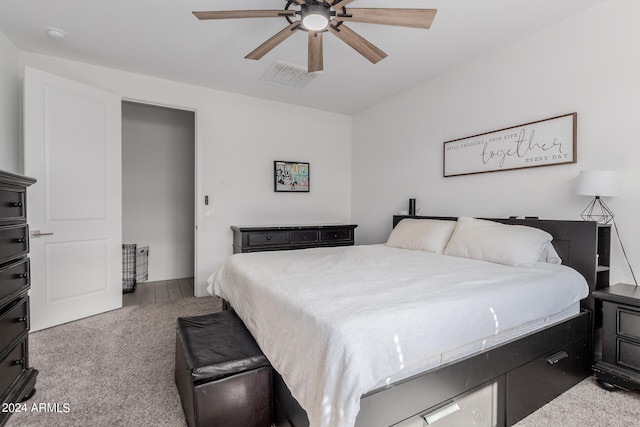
pixel 620 364
pixel 17 379
pixel 287 237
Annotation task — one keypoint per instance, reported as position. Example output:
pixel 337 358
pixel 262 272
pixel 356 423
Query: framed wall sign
pixel 290 176
pixel 542 143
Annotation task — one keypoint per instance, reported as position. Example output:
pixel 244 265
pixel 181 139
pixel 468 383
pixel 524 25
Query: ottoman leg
pixel 184 382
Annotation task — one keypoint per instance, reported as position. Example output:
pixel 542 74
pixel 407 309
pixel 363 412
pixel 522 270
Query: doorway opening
pixel 158 198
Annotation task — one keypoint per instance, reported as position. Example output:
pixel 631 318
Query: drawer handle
pixel 440 413
pixel 22 319
pixel 555 358
pixel 17 204
pixel 23 276
pixel 268 237
pixel 18 362
pixel 21 240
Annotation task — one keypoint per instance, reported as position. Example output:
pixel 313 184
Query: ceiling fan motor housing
pixel 315 16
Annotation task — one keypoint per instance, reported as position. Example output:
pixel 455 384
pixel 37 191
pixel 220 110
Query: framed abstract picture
pixel 290 176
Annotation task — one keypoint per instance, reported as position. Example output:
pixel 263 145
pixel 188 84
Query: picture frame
pixel 291 177
pixel 545 142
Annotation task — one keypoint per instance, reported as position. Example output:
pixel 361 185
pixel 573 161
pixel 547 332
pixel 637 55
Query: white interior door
pixel 72 146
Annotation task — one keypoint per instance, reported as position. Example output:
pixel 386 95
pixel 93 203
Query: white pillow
pixel 422 234
pixel 515 245
pixel 550 255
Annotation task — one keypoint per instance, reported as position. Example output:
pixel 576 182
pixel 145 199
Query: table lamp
pixel 598 184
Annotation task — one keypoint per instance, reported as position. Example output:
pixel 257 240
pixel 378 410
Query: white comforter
pixel 334 322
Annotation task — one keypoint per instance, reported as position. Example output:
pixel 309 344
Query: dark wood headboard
pixel 575 241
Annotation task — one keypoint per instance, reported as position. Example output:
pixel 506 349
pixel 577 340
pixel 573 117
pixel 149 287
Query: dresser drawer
pixel 304 236
pixel 12 365
pixel 14 242
pixel 335 235
pixel 13 278
pixel 269 238
pixel 628 354
pixel 628 323
pixel 14 321
pixel 13 206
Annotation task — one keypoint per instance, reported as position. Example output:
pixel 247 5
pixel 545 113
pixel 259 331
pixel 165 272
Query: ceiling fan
pixel 319 16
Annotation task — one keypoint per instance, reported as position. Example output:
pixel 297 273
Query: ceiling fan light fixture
pixel 315 17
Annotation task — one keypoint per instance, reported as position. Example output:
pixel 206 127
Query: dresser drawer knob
pixel 17 204
pixel 268 237
pixel 23 276
pixel 21 240
pixel 21 319
pixel 18 362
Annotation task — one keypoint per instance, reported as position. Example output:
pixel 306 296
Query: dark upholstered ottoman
pixel 222 376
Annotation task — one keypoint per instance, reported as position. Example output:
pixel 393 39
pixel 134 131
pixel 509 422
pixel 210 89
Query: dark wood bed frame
pixel 529 371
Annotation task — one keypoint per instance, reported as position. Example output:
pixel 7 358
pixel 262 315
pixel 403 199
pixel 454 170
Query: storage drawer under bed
pixel 480 407
pixel 538 382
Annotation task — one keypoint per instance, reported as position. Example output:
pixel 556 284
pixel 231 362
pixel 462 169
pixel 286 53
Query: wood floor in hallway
pixel 159 291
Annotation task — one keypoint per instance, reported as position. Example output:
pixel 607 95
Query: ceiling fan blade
pixel 315 52
pixel 274 41
pixel 416 18
pixel 341 4
pixel 356 41
pixel 230 14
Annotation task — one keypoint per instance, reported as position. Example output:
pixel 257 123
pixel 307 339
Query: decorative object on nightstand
pixel 412 206
pixel 598 184
pixel 620 364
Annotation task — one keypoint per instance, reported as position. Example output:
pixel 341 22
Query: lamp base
pixel 597 211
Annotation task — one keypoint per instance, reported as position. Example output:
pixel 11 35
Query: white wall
pixel 589 64
pixel 10 89
pixel 158 180
pixel 238 138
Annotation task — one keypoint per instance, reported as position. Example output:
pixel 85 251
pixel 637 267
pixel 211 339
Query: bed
pixel 362 336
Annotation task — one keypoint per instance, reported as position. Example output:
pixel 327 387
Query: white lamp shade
pixel 599 183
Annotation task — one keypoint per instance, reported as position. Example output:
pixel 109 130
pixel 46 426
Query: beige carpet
pixel 113 369
pixel 588 405
pixel 116 369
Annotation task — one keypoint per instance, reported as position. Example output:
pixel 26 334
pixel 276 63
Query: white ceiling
pixel 162 38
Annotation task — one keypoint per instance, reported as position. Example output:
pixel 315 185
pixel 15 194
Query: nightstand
pixel 620 364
